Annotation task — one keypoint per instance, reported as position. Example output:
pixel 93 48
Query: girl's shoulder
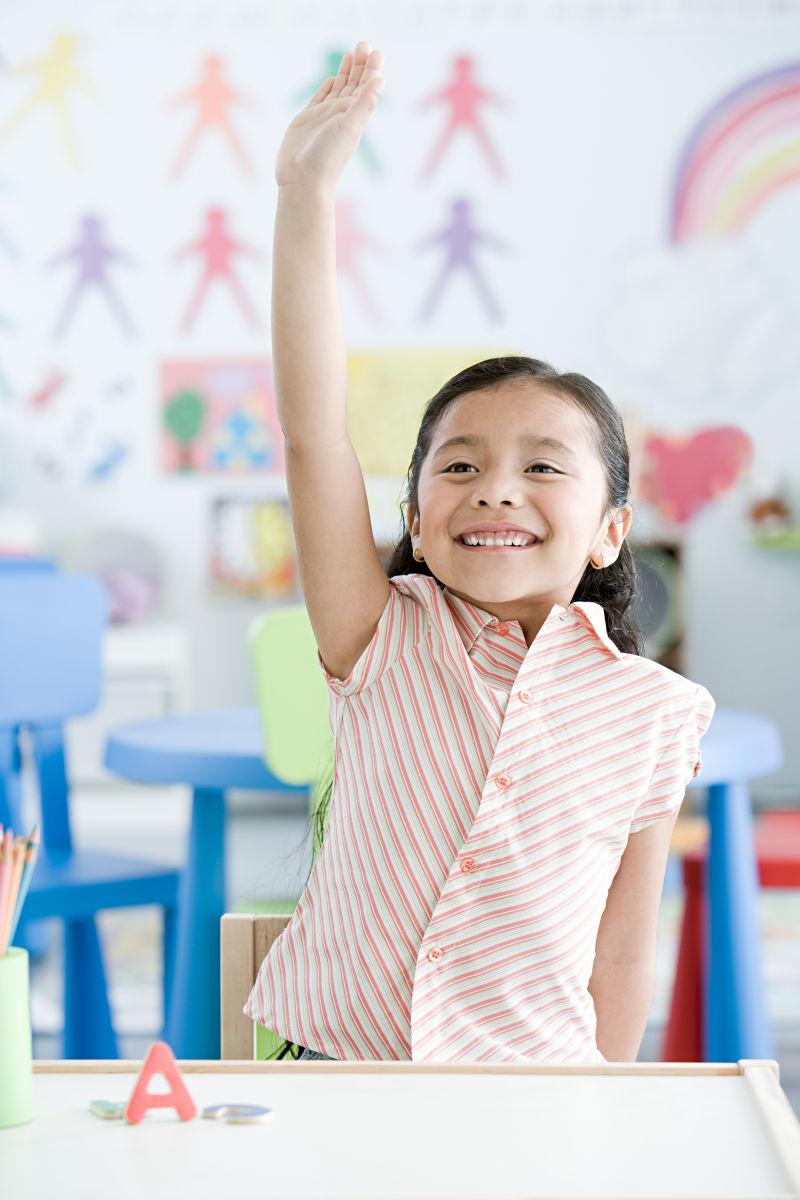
pixel 677 689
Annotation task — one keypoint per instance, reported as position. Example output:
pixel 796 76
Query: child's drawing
pixel 219 415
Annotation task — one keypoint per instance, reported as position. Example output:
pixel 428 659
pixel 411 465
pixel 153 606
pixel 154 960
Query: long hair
pixel 614 587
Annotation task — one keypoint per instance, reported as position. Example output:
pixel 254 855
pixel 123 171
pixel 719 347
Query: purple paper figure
pixel 349 241
pixel 56 75
pixel 459 238
pixel 463 96
pixel 211 97
pixel 92 254
pixel 217 248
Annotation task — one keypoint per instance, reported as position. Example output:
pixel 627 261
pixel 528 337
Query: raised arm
pixel 344 584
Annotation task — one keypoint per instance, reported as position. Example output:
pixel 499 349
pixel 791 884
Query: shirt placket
pixel 498 788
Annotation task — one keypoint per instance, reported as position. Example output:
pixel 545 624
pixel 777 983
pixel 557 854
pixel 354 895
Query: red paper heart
pixel 681 475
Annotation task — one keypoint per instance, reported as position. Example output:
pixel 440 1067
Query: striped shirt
pixel 484 791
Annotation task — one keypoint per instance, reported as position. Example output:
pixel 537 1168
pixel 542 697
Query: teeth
pixel 511 540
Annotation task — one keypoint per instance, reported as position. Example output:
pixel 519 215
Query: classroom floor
pixel 268 855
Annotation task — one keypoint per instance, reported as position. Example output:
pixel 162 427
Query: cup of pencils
pixel 17 859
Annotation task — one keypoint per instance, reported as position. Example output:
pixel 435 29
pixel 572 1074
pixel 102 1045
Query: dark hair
pixel 614 587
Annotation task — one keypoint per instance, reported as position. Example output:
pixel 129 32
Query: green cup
pixel 16 1063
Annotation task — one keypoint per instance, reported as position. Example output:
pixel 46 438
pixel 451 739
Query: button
pixel 525 697
pixel 502 627
pixel 435 953
pixel 502 781
pixel 468 864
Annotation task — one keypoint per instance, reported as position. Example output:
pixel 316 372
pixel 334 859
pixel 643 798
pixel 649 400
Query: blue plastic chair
pixel 51 632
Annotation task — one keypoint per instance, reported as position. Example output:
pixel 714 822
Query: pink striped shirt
pixel 483 795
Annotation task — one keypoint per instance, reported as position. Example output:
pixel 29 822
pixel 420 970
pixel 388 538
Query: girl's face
pixel 526 459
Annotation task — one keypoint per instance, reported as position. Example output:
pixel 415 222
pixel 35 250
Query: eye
pixel 533 466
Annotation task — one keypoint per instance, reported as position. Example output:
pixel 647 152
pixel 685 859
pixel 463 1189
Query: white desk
pixel 380 1130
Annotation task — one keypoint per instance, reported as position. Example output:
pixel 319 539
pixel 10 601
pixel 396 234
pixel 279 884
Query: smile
pixel 494 550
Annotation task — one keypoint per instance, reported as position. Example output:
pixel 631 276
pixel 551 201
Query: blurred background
pixel 611 187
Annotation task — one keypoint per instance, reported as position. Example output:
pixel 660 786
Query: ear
pixel 412 519
pixel 607 547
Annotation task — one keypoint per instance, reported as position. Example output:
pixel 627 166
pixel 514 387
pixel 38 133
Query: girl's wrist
pixel 316 194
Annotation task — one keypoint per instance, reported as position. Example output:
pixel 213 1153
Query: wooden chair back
pixel 245 940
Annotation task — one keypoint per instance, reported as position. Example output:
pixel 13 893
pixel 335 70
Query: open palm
pixel 323 137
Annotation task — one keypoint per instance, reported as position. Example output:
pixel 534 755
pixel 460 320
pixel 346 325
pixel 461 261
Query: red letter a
pixel 160 1061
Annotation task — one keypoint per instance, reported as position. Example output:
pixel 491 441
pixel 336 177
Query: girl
pixel 508 767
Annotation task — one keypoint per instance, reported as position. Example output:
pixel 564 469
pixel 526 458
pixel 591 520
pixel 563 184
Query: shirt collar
pixel 472 620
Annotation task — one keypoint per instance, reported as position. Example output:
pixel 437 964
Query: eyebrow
pixel 528 439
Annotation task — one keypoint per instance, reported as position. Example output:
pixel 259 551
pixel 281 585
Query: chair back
pixel 292 696
pixel 245 940
pixel 51 641
pixel 51 644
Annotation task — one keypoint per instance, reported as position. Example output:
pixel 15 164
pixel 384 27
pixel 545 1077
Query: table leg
pixel 193 1021
pixel 736 1020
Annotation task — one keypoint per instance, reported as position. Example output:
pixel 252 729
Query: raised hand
pixel 323 137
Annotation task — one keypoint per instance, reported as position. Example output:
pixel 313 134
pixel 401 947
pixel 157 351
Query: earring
pixel 598 566
pixel 419 557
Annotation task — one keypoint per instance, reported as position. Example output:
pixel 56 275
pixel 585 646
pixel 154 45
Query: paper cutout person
pixel 92 253
pixel 217 248
pixel 463 97
pixel 212 96
pixel 459 238
pixel 57 75
pixel 160 1061
pixel 349 241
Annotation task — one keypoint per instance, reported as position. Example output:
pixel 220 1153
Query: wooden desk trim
pixel 123 1066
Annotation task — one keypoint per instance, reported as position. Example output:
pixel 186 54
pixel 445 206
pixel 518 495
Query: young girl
pixel 508 767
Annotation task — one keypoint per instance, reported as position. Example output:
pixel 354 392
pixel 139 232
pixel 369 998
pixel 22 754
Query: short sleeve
pixel 399 628
pixel 679 764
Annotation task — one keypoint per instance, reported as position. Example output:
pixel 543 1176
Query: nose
pixel 492 491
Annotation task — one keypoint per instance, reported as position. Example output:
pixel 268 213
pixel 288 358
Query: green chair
pixel 298 746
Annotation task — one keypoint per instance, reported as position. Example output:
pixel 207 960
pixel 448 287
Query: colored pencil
pixel 31 850
pixel 6 865
pixel 20 845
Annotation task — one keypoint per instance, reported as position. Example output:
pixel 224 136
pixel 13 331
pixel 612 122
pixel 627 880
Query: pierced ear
pixel 615 535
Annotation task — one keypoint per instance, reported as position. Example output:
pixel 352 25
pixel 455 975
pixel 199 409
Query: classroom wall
pixel 570 174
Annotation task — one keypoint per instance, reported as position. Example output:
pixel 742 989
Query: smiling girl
pixel 508 766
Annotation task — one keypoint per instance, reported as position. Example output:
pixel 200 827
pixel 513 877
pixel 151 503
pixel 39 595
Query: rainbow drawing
pixel 744 150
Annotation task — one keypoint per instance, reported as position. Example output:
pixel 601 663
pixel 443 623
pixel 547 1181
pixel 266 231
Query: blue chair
pixel 51 632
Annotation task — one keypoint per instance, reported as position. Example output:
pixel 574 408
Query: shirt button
pixel 525 697
pixel 502 781
pixel 502 627
pixel 435 953
pixel 468 864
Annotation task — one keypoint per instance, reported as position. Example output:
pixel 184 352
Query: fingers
pixel 357 69
pixel 373 67
pixel 342 74
pixel 358 106
pixel 322 91
pixel 359 62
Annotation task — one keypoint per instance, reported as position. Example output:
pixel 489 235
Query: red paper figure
pixel 160 1061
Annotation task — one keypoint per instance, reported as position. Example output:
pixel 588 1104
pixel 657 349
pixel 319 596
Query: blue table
pixel 212 752
pixel 221 749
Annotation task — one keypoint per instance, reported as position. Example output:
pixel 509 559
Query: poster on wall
pixel 386 394
pixel 252 549
pixel 220 415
